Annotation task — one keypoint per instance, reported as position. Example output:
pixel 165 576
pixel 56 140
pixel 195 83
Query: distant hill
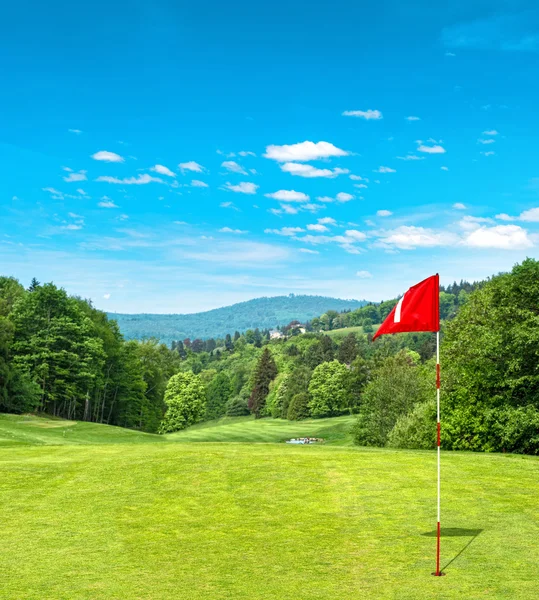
pixel 264 313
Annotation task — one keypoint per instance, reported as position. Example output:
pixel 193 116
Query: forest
pixel 61 356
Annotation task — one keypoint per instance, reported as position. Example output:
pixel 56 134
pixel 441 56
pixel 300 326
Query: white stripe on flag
pixel 397 317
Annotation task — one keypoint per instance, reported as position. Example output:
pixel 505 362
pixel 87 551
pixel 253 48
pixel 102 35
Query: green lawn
pixel 340 333
pixel 334 431
pixel 263 521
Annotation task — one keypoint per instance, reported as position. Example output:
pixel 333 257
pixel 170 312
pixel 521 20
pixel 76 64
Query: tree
pixel 236 336
pixel 266 371
pixel 348 349
pixel 218 393
pixel 327 389
pixel 228 343
pixel 299 407
pixel 34 284
pixel 185 401
pixel 210 345
pixel 197 345
pixel 490 354
pixel 396 387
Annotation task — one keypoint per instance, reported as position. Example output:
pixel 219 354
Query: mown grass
pixel 263 521
pixel 87 518
pixel 343 332
pixel 334 431
pixel 36 430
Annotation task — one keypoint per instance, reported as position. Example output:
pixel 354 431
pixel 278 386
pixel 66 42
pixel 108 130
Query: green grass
pixel 246 429
pixel 340 333
pixel 34 430
pixel 244 521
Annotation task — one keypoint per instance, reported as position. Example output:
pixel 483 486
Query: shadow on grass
pixel 455 532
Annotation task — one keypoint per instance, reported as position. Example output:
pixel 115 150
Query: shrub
pixel 185 399
pixel 328 389
pixel 299 407
pixel 417 429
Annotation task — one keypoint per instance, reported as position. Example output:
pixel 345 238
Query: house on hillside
pixel 275 334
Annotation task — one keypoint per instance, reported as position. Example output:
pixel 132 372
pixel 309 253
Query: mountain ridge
pixel 266 312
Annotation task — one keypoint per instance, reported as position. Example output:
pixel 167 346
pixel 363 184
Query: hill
pixel 257 521
pixel 264 313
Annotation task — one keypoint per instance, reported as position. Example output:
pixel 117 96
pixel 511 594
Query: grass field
pixel 246 521
pixel 340 333
pixel 334 431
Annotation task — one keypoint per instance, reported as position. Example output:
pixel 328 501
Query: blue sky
pixel 171 157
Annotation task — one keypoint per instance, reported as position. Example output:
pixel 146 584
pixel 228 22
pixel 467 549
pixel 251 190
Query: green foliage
pixel 217 395
pixel 299 407
pixel 416 429
pixel 490 359
pixel 348 350
pixel 327 389
pixel 185 401
pixel 266 371
pixel 397 386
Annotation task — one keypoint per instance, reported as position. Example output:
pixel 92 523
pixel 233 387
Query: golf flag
pixel 417 310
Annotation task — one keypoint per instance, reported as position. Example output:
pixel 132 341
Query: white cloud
pixel 470 223
pixel 287 209
pixel 233 167
pixel 230 205
pixel 444 168
pixel 385 170
pixel 286 231
pixel 106 156
pixel 244 187
pixel 364 114
pixel 411 157
pixel 327 221
pixel 72 227
pixel 288 196
pixel 413 119
pixel 312 207
pixel 359 178
pixel 355 235
pixel 384 213
pixel 410 237
pixel 489 153
pixel 490 132
pixel 246 153
pixel 459 206
pixel 364 274
pixel 229 230
pixel 317 227
pixel 191 166
pixel 107 203
pixel 360 185
pixel 106 296
pixel 307 251
pixel 198 183
pixel 80 176
pixel 304 151
pixel 436 149
pixel 504 237
pixel 344 197
pixel 530 215
pixel 140 180
pixel 489 141
pixel 162 170
pixel 75 131
pixel 506 217
pixel 309 171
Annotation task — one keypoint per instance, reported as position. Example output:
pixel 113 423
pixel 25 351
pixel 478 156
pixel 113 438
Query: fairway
pixel 263 521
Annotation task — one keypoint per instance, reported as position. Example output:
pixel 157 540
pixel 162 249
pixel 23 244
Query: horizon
pixel 196 157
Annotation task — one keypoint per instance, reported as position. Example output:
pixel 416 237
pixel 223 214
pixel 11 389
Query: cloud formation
pixel 245 187
pixel 364 114
pixel 310 172
pixel 106 156
pixel 304 152
pixel 233 167
pixel 288 196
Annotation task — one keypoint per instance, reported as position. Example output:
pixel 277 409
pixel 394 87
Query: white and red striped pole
pixel 438 572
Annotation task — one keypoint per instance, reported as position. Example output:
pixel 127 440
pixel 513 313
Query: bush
pixel 238 406
pixel 417 429
pixel 299 407
pixel 328 389
pixel 397 386
pixel 185 398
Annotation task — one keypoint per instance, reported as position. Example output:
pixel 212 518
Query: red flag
pixel 417 310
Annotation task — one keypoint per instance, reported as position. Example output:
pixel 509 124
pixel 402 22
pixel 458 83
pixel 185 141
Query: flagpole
pixel 438 572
